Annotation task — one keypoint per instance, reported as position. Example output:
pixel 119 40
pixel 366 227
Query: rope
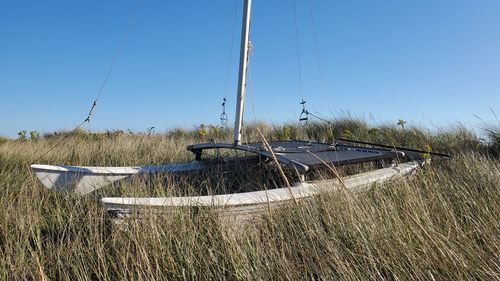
pixel 250 92
pixel 298 48
pixel 304 116
pixel 106 78
pixel 313 23
pixel 115 58
pixel 397 148
pixel 231 47
pixel 376 144
pixel 90 112
pixel 54 146
pixel 319 118
pixel 117 53
pixel 248 86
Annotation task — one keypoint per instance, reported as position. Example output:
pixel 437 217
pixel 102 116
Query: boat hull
pixel 240 205
pixel 84 180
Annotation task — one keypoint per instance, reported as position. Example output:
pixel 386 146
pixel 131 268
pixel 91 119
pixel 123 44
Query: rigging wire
pixel 303 119
pixel 103 84
pixel 313 23
pixel 249 91
pixel 55 145
pixel 115 58
pixel 298 48
pixel 223 117
pixel 320 118
pixel 304 115
pixel 248 84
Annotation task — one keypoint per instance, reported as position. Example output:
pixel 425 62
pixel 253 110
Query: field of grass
pixel 443 223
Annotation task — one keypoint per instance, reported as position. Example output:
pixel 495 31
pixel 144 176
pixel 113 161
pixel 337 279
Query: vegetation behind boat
pixel 125 148
pixel 443 223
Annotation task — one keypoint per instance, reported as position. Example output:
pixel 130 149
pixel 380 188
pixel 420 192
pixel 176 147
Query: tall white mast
pixel 242 77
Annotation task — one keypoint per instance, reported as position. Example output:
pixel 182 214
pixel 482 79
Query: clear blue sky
pixel 426 61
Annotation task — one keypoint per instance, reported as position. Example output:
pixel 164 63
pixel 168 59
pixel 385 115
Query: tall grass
pixel 442 223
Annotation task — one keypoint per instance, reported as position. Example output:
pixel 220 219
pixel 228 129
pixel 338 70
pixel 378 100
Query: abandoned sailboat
pixel 302 157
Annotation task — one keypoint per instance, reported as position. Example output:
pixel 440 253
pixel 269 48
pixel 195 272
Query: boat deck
pixel 304 155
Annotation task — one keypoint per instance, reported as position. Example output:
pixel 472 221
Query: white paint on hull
pixel 85 180
pixel 258 199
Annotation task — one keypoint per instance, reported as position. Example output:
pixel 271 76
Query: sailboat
pixel 301 157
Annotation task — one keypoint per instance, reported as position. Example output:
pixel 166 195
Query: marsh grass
pixel 443 223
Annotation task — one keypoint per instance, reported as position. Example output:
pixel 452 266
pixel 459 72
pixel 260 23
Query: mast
pixel 242 77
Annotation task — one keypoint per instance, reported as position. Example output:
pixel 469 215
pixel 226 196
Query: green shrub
pixel 34 135
pixel 22 135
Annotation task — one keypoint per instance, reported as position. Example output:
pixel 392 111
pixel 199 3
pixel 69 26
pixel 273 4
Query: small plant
pixel 22 135
pixel 401 123
pixel 347 134
pixel 373 131
pixel 427 148
pixel 34 135
pixel 202 130
pixel 287 132
pixel 215 131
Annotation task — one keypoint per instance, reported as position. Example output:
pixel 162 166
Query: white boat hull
pixel 241 204
pixel 84 180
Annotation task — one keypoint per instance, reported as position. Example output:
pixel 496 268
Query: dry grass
pixel 443 223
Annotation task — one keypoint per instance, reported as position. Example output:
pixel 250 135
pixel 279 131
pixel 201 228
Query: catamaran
pixel 298 156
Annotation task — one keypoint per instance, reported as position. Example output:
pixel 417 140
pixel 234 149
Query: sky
pixel 430 62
